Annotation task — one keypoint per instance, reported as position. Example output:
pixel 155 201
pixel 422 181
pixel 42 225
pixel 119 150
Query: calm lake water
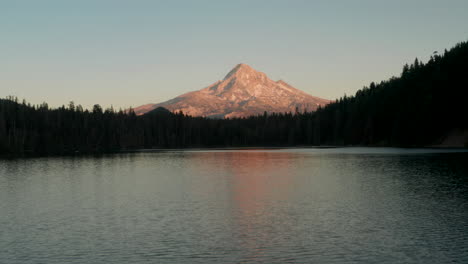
pixel 349 205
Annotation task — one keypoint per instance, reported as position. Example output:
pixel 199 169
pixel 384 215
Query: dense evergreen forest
pixel 418 108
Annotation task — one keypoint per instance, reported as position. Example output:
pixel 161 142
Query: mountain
pixel 243 92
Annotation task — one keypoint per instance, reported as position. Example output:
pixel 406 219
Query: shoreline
pixel 422 149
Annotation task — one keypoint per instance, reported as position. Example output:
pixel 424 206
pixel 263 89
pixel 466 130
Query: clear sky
pixel 128 53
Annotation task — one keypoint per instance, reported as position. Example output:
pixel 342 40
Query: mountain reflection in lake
pixel 257 206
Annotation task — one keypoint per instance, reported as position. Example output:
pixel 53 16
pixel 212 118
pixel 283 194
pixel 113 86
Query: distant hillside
pixel 160 111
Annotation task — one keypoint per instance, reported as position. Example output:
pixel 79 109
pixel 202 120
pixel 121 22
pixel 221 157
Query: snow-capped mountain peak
pixel 243 92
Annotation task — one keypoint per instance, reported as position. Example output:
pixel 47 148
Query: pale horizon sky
pixel 129 53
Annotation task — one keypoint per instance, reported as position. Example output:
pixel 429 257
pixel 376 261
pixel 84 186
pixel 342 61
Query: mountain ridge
pixel 242 92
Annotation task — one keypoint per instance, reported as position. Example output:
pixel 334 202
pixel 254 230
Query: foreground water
pixel 352 205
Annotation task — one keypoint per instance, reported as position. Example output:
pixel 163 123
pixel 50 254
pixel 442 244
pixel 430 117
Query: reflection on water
pixel 259 179
pixel 259 206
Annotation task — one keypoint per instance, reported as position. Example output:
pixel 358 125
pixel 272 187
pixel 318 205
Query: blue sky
pixel 128 53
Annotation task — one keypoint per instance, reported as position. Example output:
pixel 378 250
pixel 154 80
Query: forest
pixel 418 108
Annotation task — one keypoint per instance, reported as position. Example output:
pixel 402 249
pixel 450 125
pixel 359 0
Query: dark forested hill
pixel 419 108
pixel 424 104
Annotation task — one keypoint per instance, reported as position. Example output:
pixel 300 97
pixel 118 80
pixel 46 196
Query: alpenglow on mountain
pixel 243 92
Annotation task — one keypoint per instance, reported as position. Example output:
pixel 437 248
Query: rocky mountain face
pixel 243 92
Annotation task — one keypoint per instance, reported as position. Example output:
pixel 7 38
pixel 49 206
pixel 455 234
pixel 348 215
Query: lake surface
pixel 344 205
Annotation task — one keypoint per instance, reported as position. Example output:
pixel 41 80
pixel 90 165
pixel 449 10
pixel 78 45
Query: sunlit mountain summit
pixel 243 92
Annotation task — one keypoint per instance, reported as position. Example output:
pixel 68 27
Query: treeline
pixel 419 108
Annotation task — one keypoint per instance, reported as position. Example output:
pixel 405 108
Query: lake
pixel 340 205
